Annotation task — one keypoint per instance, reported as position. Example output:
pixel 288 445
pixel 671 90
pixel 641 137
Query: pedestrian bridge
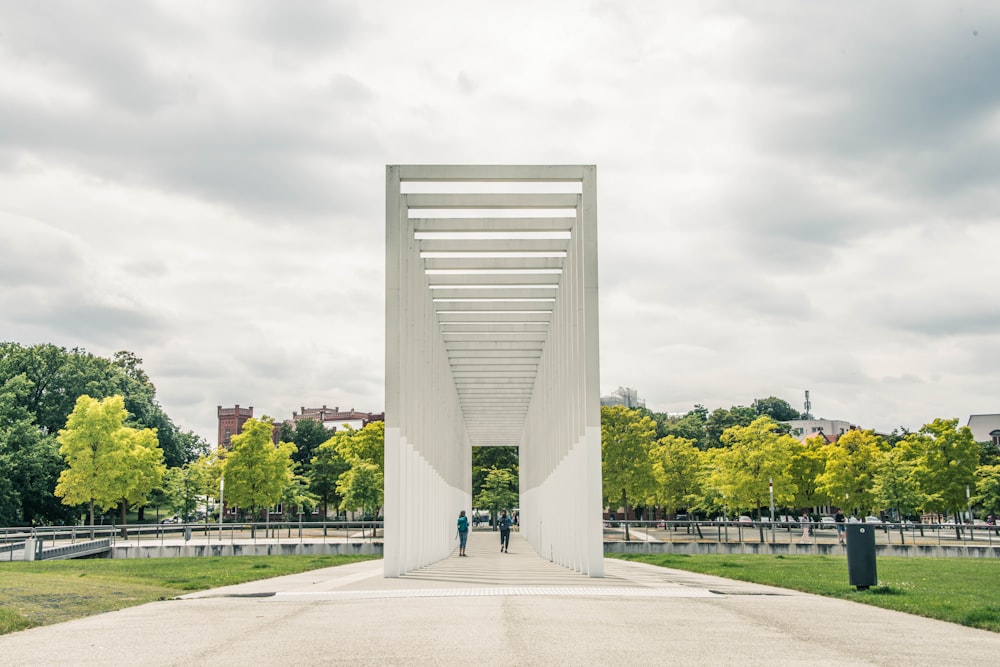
pixel 492 340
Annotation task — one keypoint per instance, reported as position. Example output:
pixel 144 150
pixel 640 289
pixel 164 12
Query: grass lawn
pixel 958 590
pixel 41 593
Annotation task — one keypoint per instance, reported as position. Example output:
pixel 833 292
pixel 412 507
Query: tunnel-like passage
pixel 492 339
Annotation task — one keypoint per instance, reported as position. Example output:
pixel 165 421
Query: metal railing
pixel 12 539
pixel 939 534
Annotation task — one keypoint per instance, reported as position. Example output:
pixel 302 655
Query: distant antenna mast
pixel 808 407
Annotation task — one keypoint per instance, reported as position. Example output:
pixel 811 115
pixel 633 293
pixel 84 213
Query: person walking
pixel 841 522
pixel 504 524
pixel 806 524
pixel 463 532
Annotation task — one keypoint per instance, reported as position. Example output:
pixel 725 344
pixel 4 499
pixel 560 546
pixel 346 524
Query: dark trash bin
pixel 861 555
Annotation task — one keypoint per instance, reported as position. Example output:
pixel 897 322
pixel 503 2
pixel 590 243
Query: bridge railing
pixel 12 539
pixel 792 532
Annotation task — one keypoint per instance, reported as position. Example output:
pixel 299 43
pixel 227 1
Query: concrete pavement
pixel 501 609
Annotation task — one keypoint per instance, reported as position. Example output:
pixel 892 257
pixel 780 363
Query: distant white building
pixel 624 396
pixel 985 428
pixel 830 429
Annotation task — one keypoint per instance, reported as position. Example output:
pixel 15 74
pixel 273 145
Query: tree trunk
pixel 124 509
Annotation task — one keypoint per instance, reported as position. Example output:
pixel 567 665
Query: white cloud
pixel 791 196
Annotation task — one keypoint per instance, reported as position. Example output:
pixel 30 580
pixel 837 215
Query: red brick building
pixel 231 422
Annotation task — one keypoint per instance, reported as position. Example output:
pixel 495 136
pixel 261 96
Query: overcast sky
pixel 791 196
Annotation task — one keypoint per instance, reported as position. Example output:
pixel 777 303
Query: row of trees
pixel 938 469
pixel 39 388
pixel 110 464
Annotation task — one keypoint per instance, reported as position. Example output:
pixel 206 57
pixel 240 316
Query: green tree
pixel 775 408
pixel 485 459
pixel 257 471
pixel 720 419
pixel 689 427
pixel 806 465
pixel 29 459
pixel 626 438
pixel 184 487
pixel 751 457
pixel 896 486
pixel 945 457
pixel 988 489
pixel 297 495
pixel 365 444
pixel 308 435
pixel 499 491
pixel 140 468
pixel 108 462
pixel 325 470
pixel 852 464
pixel 677 471
pixel 362 488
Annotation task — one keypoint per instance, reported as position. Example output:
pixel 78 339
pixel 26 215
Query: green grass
pixel 42 593
pixel 957 590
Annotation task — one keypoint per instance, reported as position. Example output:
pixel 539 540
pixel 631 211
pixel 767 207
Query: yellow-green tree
pixel 806 465
pixel 362 486
pixel 365 444
pixel 108 463
pixel 750 458
pixel 626 438
pixel 257 471
pixel 945 457
pixel 852 466
pixel 677 472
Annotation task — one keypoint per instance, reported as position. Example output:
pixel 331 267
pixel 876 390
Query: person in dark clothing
pixel 504 524
pixel 841 522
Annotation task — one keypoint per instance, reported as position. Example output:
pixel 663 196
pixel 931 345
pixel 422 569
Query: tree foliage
pixel 499 491
pixel 775 408
pixel 326 467
pixel 945 457
pixel 852 465
pixel 361 487
pixel 39 387
pixel 307 436
pixel 677 472
pixel 108 463
pixel 753 456
pixel 256 470
pixel 626 438
pixel 721 419
pixel 484 459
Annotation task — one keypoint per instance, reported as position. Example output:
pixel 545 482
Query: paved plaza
pixel 501 609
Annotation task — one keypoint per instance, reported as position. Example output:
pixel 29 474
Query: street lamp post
pixel 770 488
pixel 968 503
pixel 222 505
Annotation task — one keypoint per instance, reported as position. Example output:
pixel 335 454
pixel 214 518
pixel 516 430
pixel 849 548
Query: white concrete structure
pixel 492 339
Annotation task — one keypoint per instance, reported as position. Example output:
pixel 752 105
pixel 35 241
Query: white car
pixel 872 519
pixel 827 522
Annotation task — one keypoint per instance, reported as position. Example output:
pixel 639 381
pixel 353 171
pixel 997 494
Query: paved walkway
pixel 501 609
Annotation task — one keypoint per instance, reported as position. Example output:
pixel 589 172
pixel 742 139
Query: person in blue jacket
pixel 504 524
pixel 463 532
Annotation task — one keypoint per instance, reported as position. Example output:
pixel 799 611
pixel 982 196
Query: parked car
pixel 827 522
pixel 744 519
pixel 872 519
